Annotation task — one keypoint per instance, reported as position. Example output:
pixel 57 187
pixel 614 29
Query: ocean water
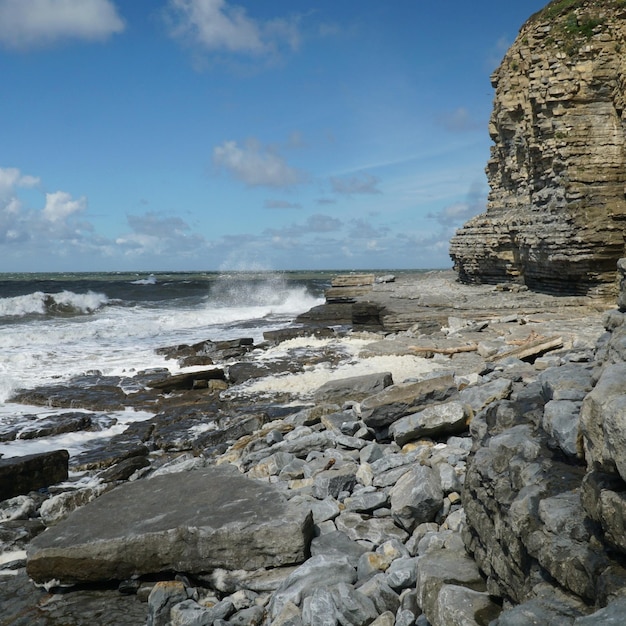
pixel 56 326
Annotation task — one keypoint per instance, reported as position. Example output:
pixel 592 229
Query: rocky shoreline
pixel 416 451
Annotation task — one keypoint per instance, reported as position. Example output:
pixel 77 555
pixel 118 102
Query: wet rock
pixel 19 475
pixel 189 380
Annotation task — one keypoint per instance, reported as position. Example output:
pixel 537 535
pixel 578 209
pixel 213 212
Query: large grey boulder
pixel 354 387
pixel 384 408
pixel 190 522
pixel 439 420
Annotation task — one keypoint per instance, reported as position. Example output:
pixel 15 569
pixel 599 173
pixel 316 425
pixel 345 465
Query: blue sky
pixel 216 134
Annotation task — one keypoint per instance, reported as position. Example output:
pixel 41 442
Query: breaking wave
pixel 64 303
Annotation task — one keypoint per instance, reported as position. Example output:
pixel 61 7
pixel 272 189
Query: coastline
pixel 432 329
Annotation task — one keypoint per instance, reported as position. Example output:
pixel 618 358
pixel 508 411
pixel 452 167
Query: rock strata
pixel 556 206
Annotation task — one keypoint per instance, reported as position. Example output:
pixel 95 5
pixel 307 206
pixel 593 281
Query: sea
pixel 54 327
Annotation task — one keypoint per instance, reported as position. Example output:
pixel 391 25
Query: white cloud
pixel 217 25
pixel 365 183
pixel 10 178
pixel 60 205
pixel 256 166
pixel 28 24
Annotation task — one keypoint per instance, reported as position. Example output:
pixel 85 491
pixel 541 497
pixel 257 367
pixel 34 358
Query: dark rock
pixel 124 469
pixel 294 332
pixel 115 450
pixel 19 475
pixel 186 380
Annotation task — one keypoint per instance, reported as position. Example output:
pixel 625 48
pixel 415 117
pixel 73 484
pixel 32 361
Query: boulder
pixel 439 568
pixel 416 498
pixel 354 387
pixel 439 420
pixel 191 522
pixel 384 408
pixel 189 380
pixel 21 474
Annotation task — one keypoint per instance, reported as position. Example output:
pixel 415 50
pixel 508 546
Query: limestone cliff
pixel 556 210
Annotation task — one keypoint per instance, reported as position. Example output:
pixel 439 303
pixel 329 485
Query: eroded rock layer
pixel 557 172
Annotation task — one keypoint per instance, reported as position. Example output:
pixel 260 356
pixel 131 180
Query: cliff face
pixel 556 209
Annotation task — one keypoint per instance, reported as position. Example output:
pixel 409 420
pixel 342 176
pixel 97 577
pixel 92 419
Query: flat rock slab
pixel 190 522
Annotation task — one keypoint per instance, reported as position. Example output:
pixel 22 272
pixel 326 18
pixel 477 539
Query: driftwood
pixel 532 348
pixel 453 350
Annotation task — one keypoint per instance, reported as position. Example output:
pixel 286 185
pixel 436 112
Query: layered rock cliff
pixel 556 210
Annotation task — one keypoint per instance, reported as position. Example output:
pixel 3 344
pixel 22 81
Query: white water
pixel 40 344
pixel 119 340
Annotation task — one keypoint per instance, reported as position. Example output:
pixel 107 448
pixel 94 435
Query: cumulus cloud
pixel 11 178
pixel 217 25
pixel 363 184
pixel 26 24
pixel 60 205
pixel 255 165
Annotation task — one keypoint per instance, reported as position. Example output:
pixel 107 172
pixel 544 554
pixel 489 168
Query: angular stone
pixel 443 567
pixel 384 408
pixel 561 419
pixel 319 609
pixel 164 595
pixel 375 530
pixel 354 387
pixel 337 544
pixel 436 421
pixel 381 594
pixel 480 396
pixel 461 606
pixel 143 527
pixel 21 474
pixel 353 607
pixel 607 396
pixel 317 571
pixel 416 498
pixel 333 481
